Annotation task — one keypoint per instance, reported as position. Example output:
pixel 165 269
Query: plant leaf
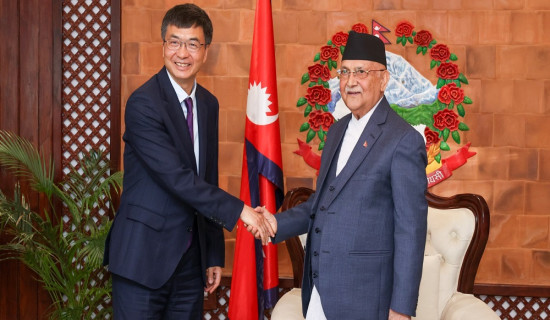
pixel 446 132
pixel 304 126
pixel 310 135
pixel 467 100
pixel 460 109
pixel 317 57
pixel 453 57
pixel 462 78
pixel 456 136
pixel 463 127
pixel 301 102
pixel 444 146
pixel 305 78
pixel 308 110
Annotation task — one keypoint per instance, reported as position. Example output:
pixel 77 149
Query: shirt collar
pixel 182 95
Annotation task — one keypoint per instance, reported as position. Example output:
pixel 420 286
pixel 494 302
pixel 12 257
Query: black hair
pixel 186 16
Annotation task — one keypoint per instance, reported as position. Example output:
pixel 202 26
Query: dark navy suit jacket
pixel 372 241
pixel 163 192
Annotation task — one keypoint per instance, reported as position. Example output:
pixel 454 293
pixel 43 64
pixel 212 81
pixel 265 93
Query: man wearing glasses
pixel 366 223
pixel 166 245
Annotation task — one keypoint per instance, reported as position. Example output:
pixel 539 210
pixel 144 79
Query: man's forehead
pixel 364 64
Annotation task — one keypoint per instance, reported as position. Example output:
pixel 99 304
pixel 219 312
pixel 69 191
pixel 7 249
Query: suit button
pixel 190 229
pixel 315 253
pixel 312 216
pixel 315 275
pixel 323 208
pixel 331 188
pixel 317 230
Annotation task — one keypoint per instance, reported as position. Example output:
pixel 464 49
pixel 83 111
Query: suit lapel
pixel 363 147
pixel 202 119
pixel 331 148
pixel 176 117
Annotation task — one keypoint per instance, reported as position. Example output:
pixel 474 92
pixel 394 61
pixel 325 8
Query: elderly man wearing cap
pixel 366 223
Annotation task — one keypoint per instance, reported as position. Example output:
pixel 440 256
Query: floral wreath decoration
pixel 435 117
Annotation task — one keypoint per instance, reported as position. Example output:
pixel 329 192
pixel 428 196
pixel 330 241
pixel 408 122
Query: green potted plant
pixel 66 257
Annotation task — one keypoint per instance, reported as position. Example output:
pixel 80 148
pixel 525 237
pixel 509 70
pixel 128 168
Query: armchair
pixel 458 229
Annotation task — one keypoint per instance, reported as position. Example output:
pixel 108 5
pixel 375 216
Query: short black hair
pixel 186 16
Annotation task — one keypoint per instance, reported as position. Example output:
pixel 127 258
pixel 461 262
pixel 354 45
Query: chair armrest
pixel 289 307
pixel 467 307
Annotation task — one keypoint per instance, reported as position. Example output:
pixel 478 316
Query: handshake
pixel 259 222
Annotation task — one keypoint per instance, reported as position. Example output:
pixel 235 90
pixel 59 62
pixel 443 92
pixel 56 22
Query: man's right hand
pixel 257 224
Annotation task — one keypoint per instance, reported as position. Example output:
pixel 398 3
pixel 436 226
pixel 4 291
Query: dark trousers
pixel 181 298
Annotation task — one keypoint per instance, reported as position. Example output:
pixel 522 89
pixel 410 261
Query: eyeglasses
pixel 190 45
pixel 358 74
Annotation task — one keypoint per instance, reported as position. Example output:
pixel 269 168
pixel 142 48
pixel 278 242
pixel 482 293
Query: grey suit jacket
pixel 372 241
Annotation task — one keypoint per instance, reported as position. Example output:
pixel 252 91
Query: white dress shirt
pixel 182 95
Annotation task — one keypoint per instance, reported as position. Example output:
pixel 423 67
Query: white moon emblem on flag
pixel 257 105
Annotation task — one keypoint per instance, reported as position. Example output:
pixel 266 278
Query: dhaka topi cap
pixel 364 46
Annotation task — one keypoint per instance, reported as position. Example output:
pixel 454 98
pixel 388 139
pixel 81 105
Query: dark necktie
pixel 189 105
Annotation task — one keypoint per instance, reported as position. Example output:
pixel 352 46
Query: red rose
pixel 440 52
pixel 360 28
pixel 340 39
pixel 329 52
pixel 318 94
pixel 319 118
pixel 446 119
pixel 404 29
pixel 456 93
pixel 432 137
pixel 444 95
pixel 318 71
pixel 328 120
pixel 423 38
pixel 447 70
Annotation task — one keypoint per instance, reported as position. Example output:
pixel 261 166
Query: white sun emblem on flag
pixel 257 105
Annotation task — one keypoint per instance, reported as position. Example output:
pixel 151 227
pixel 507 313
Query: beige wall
pixel 503 48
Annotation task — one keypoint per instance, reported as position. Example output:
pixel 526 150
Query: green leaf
pixel 305 78
pixel 446 132
pixel 321 145
pixel 325 108
pixel 317 57
pixel 329 42
pixel 424 50
pixel 456 136
pixel 321 134
pixel 451 105
pixel 467 100
pixel 440 83
pixel 453 57
pixel 441 105
pixel 317 106
pixel 463 127
pixel 330 64
pixel 438 158
pixel 311 84
pixel 432 65
pixel 432 42
pixel 301 102
pixel 460 109
pixel 462 78
pixel 308 110
pixel 410 39
pixel 444 146
pixel 342 48
pixel 322 62
pixel 310 135
pixel 458 84
pixel 304 126
pixel 399 39
pixel 325 84
pixel 334 64
pixel 413 34
pixel 418 49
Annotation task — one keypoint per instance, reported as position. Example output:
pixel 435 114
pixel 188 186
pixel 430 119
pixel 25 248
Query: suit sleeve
pixel 293 222
pixel 215 242
pixel 147 134
pixel 409 184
